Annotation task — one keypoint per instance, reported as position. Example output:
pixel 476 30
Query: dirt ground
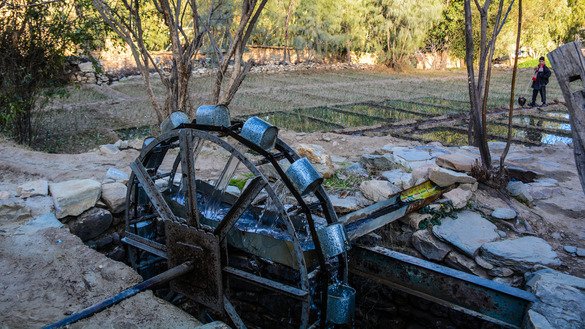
pixel 48 274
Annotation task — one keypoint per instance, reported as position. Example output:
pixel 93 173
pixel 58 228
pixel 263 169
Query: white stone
pixel 445 177
pixel 378 190
pixel 73 197
pixel 458 197
pixel 468 231
pixel 4 195
pixel 520 254
pixel 117 175
pixel 456 161
pixel 109 149
pixel 114 196
pixel 34 188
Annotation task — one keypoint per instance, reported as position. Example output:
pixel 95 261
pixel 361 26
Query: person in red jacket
pixel 539 82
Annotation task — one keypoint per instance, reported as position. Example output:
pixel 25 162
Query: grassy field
pixel 100 111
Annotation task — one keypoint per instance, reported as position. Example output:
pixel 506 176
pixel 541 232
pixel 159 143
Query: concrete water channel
pixel 426 119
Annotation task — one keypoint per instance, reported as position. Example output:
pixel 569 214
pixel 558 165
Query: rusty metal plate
pixel 204 283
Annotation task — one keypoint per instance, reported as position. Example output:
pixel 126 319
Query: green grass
pixel 337 183
pixel 531 63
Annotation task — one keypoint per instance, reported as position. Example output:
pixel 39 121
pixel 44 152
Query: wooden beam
pixel 568 64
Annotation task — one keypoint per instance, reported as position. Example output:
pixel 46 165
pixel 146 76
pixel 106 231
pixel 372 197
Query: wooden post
pixel 568 64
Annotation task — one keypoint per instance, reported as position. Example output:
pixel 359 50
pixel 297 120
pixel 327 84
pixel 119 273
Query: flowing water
pixel 535 122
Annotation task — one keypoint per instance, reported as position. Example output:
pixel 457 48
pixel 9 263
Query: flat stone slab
pixel 456 161
pixel 468 231
pixel 445 177
pixel 504 213
pixel 520 254
pixel 73 197
pixel 413 154
pixel 560 299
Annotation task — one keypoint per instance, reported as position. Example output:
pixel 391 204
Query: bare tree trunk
pixel 512 89
pixel 286 55
pixel 479 88
pixel 568 63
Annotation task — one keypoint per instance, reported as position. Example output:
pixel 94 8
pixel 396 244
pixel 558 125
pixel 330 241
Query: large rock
pixel 318 157
pixel 456 161
pixel 34 188
pixel 383 162
pixel 560 299
pixel 399 178
pixel 14 210
pixel 445 177
pixel 520 254
pixel 429 246
pixel 468 231
pixel 520 191
pixel 378 190
pixel 458 197
pixel 73 197
pixel 356 169
pixel 91 223
pixel 114 196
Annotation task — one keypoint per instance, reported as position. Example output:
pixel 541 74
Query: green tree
pixel 35 37
pixel 399 28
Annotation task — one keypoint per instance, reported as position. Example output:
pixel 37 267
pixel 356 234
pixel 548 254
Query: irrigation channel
pixel 277 255
pixel 426 119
